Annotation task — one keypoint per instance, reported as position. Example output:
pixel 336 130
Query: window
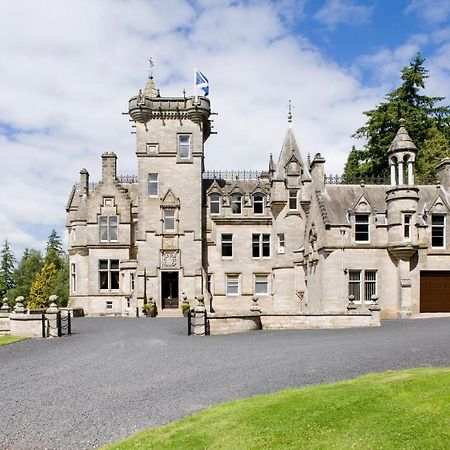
pixel 261 284
pixel 258 204
pixel 132 281
pixel 227 245
pixel 362 284
pixel 293 197
pixel 438 230
pixel 236 204
pixel 232 284
pixel 214 203
pixel 108 201
pixel 152 149
pixel 73 277
pixel 109 304
pixel 361 227
pixel 209 283
pixel 108 271
pixel 261 245
pixel 153 184
pixel 128 302
pixel 407 226
pixel 281 247
pixel 108 228
pixel 169 219
pixel 184 146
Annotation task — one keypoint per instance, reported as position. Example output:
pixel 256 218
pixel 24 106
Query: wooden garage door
pixel 434 291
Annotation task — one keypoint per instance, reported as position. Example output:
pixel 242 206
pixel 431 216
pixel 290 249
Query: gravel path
pixel 116 376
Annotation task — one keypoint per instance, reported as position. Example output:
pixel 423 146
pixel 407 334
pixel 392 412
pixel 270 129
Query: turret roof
pixel 402 141
pixel 150 88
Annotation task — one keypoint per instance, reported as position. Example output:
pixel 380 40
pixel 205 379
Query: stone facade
pixel 302 246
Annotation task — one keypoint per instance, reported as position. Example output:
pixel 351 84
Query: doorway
pixel 169 289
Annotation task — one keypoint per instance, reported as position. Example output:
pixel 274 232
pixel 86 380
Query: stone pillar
pixel 400 173
pixel 375 309
pixel 393 180
pixel 84 182
pixel 4 318
pixel 199 317
pixel 410 172
pixel 51 314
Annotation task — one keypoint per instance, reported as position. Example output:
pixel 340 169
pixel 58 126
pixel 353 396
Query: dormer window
pixel 362 234
pixel 236 204
pixel 214 204
pixel 438 230
pixel 184 146
pixel 258 204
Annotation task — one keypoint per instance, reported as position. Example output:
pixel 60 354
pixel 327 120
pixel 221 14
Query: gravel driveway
pixel 116 376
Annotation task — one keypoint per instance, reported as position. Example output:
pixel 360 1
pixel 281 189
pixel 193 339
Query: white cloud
pixel 69 68
pixel 334 12
pixel 433 11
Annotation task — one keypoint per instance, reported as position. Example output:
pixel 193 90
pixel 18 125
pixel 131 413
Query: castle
pixel 286 235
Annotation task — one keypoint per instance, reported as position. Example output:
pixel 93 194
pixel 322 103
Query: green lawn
pixel 391 410
pixel 10 339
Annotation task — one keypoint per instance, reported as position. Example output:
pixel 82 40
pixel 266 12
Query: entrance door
pixel 434 291
pixel 169 289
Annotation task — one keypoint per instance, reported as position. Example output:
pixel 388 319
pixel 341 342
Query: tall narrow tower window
pixel 407 226
pixel 184 146
pixel 153 184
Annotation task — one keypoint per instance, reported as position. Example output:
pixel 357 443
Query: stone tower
pixel 170 136
pixel 402 200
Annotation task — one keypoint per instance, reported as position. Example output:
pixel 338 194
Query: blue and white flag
pixel 201 82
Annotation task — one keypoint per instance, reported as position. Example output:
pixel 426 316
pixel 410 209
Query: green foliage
pixel 42 287
pixel 54 252
pixel 391 410
pixel 6 268
pixel 24 275
pixel 185 306
pixel 421 114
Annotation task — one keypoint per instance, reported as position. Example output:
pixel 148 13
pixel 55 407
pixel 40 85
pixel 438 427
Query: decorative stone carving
pixel 169 259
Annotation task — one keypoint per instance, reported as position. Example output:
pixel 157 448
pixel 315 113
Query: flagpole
pixel 195 85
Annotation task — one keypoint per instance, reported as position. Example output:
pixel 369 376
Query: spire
pixel 271 165
pixel 150 89
pixel 402 140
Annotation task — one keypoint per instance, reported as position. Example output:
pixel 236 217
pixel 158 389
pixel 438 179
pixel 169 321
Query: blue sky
pixel 68 69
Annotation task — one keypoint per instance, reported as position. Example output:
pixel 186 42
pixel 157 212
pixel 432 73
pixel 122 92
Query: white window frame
pixel 108 270
pixel 187 146
pixel 228 243
pixel 358 215
pixel 259 202
pixel 362 285
pixel 407 226
pixel 233 280
pixel 109 304
pixel 73 278
pixel 108 223
pixel 281 243
pixel 214 202
pixel 236 202
pixel 169 217
pixel 263 281
pixel 261 242
pixel 442 227
pixel 293 196
pixel 153 182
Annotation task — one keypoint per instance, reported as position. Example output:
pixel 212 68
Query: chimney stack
pixel 109 166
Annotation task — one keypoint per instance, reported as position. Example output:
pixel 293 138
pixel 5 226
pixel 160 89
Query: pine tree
pixel 42 287
pixel 24 275
pixel 54 252
pixel 6 268
pixel 420 112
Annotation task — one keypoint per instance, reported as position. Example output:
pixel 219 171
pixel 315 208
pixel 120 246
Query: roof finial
pixel 151 63
pixel 290 113
pixel 401 122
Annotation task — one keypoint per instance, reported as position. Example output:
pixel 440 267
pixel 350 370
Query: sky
pixel 68 69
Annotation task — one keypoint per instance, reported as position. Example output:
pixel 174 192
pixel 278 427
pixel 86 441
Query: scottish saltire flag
pixel 201 82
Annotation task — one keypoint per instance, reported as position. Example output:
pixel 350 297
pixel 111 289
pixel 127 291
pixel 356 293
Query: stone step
pixel 170 313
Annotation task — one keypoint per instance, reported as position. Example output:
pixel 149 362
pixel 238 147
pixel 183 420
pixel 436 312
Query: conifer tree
pixel 6 268
pixel 43 287
pixel 420 113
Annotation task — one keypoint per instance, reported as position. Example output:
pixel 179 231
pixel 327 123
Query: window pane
pixel 293 200
pixel 232 284
pixel 227 245
pixel 103 276
pixel 114 280
pixel 362 227
pixel 103 264
pixel 266 245
pixel 258 204
pixel 256 239
pixel 113 228
pixel 184 146
pixel 236 201
pixel 169 219
pixel 261 284
pixel 152 184
pixel 354 286
pixel 114 264
pixel 370 287
pixel 215 203
pixel 437 230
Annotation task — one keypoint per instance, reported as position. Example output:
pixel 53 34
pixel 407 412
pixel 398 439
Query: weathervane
pixel 151 63
pixel 290 113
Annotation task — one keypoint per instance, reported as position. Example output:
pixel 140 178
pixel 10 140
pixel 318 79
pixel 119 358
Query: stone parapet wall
pixel 233 324
pixel 26 325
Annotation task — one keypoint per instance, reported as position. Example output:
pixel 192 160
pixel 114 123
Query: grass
pixel 10 339
pixel 391 410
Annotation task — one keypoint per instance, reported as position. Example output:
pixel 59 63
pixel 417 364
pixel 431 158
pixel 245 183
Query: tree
pixel 420 113
pixel 54 252
pixel 24 275
pixel 6 268
pixel 43 287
